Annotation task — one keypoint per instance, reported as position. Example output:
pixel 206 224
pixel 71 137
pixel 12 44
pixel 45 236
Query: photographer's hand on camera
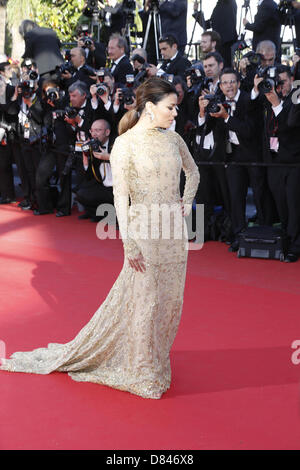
pixel 257 81
pixel 273 98
pixel 202 105
pixel 220 114
pixel 128 107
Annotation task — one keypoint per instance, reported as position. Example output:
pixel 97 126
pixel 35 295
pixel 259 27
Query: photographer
pixel 121 65
pixel 55 157
pixel 264 56
pixel 173 62
pixel 236 122
pixel 95 51
pixel 31 133
pixel 266 25
pixel 7 190
pixel 223 20
pixel 79 70
pixel 42 46
pixel 281 145
pixel 105 100
pixel 96 186
pixel 173 15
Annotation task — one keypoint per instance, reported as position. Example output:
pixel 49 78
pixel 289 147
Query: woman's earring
pixel 151 115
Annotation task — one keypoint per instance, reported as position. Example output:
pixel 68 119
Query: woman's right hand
pixel 138 263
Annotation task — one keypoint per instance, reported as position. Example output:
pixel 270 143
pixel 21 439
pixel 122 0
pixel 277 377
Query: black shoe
pixel 290 258
pixel 61 214
pixel 84 216
pixel 234 246
pixel 37 212
pixel 23 203
pixel 27 207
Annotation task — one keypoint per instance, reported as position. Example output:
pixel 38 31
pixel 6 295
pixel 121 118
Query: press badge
pixel 26 130
pixel 78 146
pixel 274 144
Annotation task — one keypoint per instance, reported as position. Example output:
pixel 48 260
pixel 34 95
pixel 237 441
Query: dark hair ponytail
pixel 154 89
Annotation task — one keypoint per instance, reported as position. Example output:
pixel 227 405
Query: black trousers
pixel 285 187
pixel 239 178
pixel 91 194
pixel 48 162
pixel 213 188
pixel 31 158
pixel 7 189
pixel 19 160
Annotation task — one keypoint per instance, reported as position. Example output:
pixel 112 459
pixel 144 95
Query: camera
pixel 254 58
pixel 92 8
pixel 142 73
pixel 53 94
pixel 93 145
pixel 215 102
pixel 27 88
pixel 101 74
pixel 88 42
pixel 126 94
pixel 69 112
pixel 198 79
pixel 66 67
pixel 154 4
pixel 5 129
pixel 270 77
pixel 102 88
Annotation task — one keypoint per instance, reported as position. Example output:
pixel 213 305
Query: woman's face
pixel 165 111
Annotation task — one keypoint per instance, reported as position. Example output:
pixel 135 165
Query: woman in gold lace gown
pixel 127 342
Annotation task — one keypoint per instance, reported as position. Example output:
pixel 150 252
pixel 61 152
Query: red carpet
pixel 234 385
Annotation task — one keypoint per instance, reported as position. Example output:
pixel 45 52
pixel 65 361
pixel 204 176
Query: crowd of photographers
pixel 241 127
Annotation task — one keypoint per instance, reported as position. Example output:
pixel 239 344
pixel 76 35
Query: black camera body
pixel 215 102
pixel 69 112
pixel 88 42
pixel 102 88
pixel 270 77
pixel 53 94
pixel 198 79
pixel 254 58
pixel 126 94
pixel 27 88
pixel 6 130
pixel 66 67
pixel 93 145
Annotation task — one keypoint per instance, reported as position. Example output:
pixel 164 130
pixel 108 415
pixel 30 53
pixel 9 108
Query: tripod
pixel 154 17
pixel 199 18
pixel 289 20
pixel 238 48
pixel 95 27
pixel 130 30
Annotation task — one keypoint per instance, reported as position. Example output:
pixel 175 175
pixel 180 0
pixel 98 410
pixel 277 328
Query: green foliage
pixel 60 15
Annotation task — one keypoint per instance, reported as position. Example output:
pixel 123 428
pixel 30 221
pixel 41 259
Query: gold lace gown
pixel 127 342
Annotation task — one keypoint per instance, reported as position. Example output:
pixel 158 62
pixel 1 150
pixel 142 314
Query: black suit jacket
pixel 243 124
pixel 223 20
pixel 43 46
pixel 176 66
pixel 266 25
pixel 173 14
pixel 122 69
